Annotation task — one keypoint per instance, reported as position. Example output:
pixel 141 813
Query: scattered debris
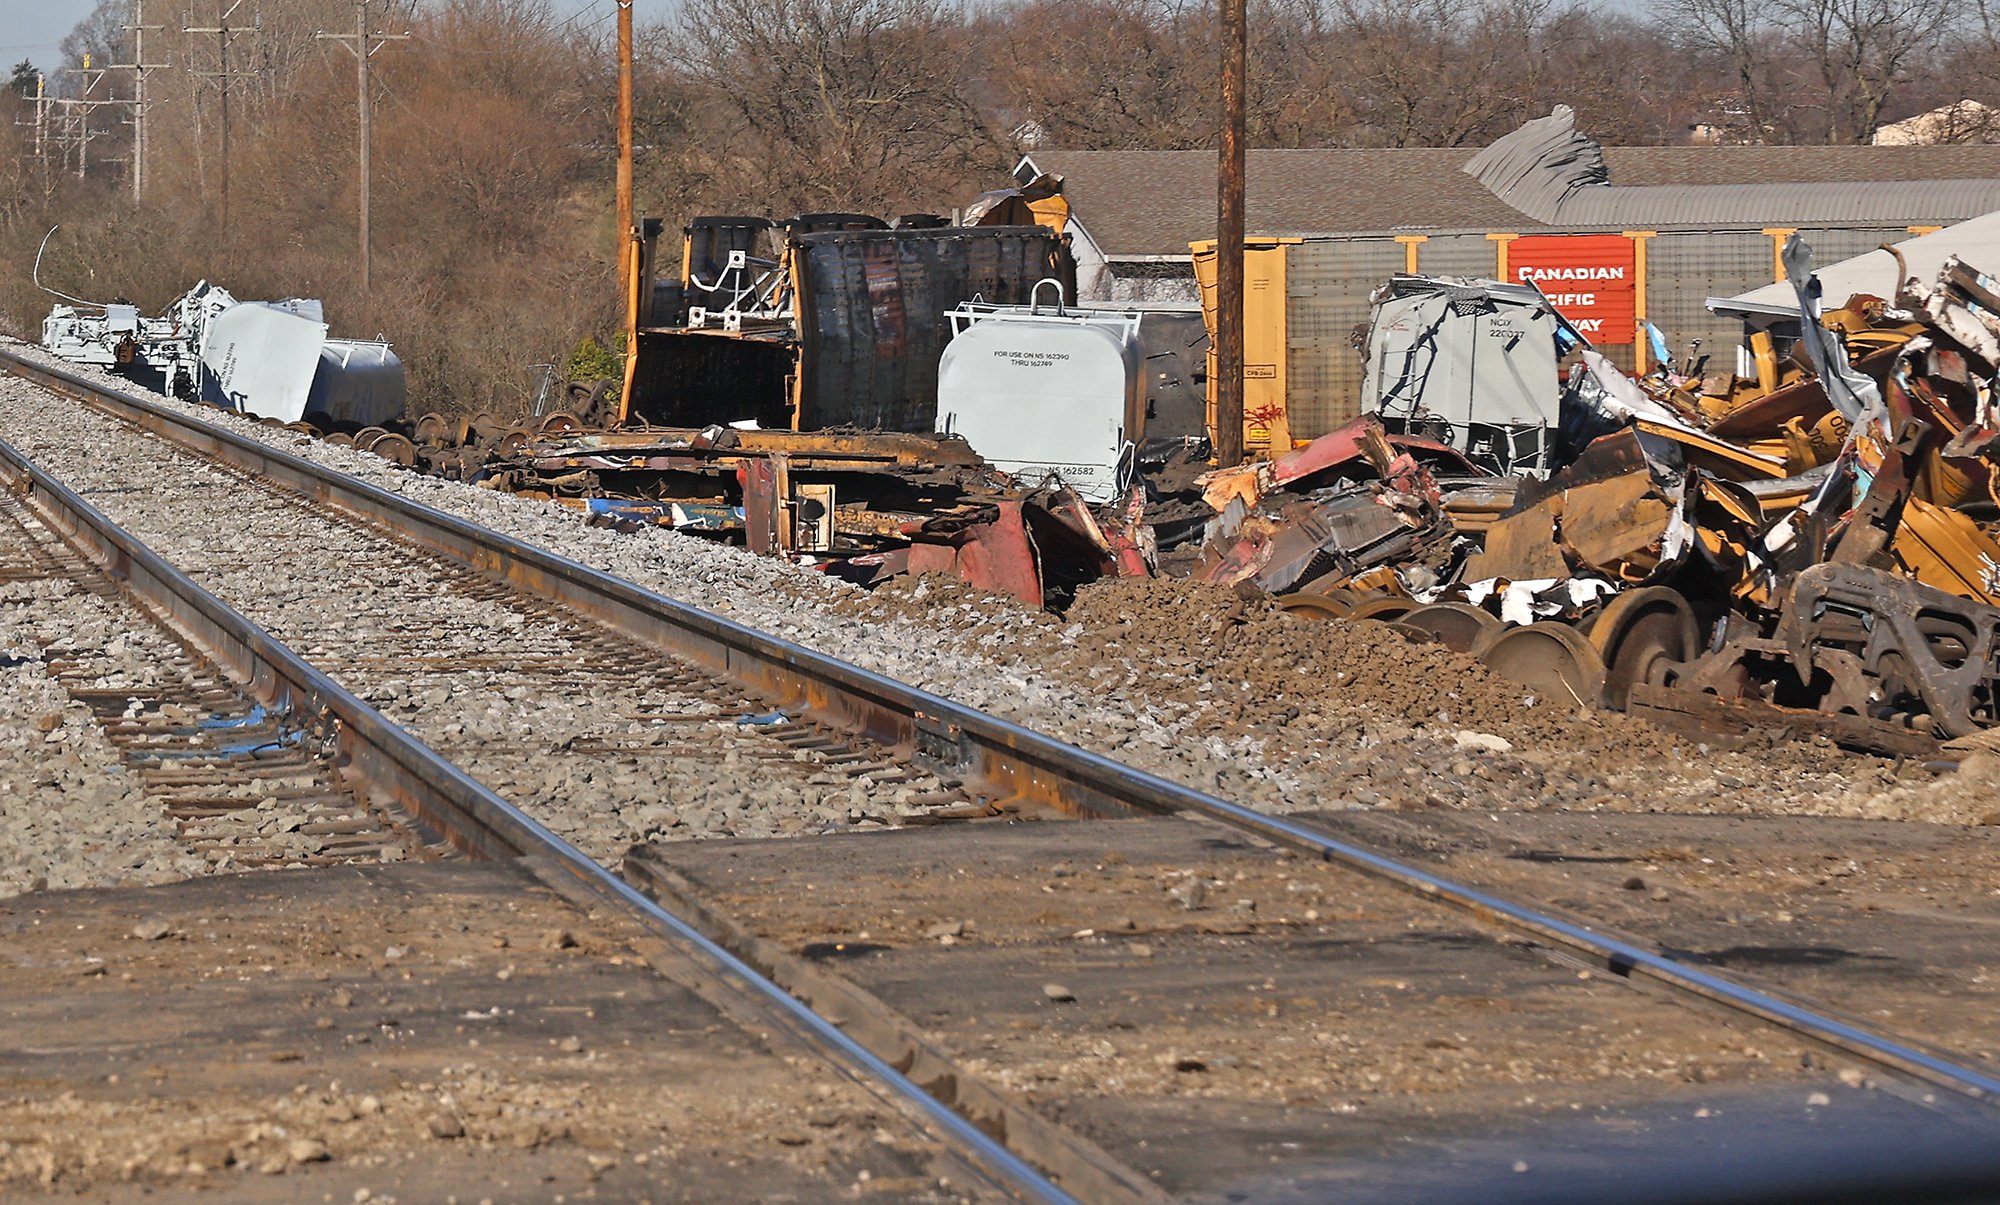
pixel 271 360
pixel 1810 551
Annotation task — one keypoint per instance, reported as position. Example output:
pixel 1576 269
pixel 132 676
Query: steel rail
pixel 470 814
pixel 1013 759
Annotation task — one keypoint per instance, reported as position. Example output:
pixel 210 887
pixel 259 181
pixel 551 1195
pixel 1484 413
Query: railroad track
pixel 944 760
pixel 239 785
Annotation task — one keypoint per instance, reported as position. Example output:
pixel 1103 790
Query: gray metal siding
pixel 1832 246
pixel 1457 255
pixel 1327 283
pixel 1684 270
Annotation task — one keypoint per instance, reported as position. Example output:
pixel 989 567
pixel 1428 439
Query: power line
pixel 411 113
pixel 140 69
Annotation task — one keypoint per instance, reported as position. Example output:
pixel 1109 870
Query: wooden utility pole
pixel 1229 243
pixel 76 114
pixel 628 246
pixel 627 262
pixel 222 75
pixel 364 44
pixel 139 68
pixel 42 120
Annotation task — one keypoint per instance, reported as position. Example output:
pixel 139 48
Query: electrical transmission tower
pixel 40 122
pixel 140 69
pixel 72 113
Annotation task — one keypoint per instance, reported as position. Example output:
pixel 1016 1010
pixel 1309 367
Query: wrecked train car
pixel 1048 396
pixel 826 321
pixel 1810 550
pixel 1470 363
pixel 269 359
pixel 785 394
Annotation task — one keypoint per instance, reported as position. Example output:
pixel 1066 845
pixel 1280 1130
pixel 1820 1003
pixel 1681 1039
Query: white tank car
pixel 274 360
pixel 1046 395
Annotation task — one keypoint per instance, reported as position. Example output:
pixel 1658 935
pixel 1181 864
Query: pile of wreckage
pixel 1807 552
pixel 272 360
pixel 870 398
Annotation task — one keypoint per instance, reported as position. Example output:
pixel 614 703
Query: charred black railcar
pixel 799 326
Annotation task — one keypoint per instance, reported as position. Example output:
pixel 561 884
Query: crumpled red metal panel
pixel 1363 438
pixel 999 556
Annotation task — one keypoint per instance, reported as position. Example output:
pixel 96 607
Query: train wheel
pixel 1315 606
pixel 1643 637
pixel 1457 626
pixel 1388 610
pixel 395 448
pixel 1550 659
pixel 431 429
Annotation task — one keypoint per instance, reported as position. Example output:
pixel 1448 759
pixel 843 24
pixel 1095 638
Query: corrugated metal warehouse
pixel 1684 224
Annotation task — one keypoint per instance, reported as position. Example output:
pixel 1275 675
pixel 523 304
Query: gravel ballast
pixel 71 813
pixel 606 742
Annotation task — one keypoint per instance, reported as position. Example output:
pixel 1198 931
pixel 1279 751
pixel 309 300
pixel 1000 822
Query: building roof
pixel 1153 203
pixel 1645 166
pixel 1977 242
pixel 1961 121
pixel 1540 166
pixel 1137 203
pixel 1749 206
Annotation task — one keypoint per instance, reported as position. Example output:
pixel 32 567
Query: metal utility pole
pixel 364 44
pixel 222 29
pixel 139 68
pixel 1229 243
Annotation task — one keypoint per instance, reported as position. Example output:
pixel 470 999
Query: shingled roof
pixel 1137 204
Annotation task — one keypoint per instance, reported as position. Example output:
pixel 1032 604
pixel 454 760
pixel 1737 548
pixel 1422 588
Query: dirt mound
pixel 1971 796
pixel 1282 663
pixel 1248 700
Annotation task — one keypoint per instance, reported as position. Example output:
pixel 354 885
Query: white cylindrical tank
pixel 1044 395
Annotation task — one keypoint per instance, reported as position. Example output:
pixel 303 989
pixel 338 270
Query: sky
pixel 31 29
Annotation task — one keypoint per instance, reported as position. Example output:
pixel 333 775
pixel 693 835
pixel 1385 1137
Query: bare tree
pixel 1098 74
pixel 838 101
pixel 1430 73
pixel 1862 51
pixel 1736 34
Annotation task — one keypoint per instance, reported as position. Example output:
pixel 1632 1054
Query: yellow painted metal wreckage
pixel 1811 549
